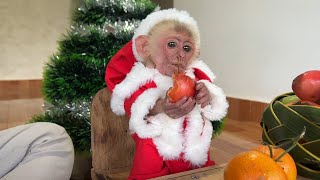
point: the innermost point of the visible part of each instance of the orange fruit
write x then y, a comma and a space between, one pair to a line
286, 162
253, 165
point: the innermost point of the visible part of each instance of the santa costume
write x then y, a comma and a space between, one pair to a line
163, 145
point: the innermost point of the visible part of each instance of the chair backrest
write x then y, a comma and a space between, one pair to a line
112, 145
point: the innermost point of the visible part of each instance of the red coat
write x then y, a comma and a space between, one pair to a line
135, 89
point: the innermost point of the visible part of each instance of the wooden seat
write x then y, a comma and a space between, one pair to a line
112, 145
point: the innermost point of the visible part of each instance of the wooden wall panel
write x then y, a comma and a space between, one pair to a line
4, 112
20, 89
245, 110
19, 111
20, 99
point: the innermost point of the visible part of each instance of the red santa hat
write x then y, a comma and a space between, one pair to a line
120, 65
164, 15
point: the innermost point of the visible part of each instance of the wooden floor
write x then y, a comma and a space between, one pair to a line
238, 136
18, 111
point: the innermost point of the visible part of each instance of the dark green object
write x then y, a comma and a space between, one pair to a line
282, 122
218, 126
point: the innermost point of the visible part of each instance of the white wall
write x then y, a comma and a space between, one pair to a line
255, 47
29, 30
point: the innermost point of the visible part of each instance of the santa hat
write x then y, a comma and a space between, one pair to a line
163, 15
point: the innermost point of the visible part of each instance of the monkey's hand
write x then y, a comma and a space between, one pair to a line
180, 108
202, 94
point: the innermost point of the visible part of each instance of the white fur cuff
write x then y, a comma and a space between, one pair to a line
217, 109
146, 127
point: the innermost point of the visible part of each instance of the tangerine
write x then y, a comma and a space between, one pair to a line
253, 165
286, 162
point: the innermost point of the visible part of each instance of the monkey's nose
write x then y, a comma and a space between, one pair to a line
182, 53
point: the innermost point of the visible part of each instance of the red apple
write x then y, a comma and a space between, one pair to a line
182, 86
307, 86
309, 103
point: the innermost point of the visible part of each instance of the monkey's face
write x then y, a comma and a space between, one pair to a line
171, 51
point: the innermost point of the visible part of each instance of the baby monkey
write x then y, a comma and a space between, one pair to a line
170, 137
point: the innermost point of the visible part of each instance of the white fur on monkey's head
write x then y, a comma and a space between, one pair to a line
164, 15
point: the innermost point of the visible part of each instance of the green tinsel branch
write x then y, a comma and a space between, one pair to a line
98, 11
73, 77
75, 118
94, 43
78, 71
218, 126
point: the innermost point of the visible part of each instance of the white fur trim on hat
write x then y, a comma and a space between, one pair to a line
168, 14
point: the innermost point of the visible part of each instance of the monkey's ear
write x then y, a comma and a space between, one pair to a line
198, 53
142, 45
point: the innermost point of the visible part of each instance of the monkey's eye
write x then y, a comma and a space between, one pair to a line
187, 48
172, 44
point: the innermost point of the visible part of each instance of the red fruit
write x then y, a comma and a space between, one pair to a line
182, 86
309, 103
307, 86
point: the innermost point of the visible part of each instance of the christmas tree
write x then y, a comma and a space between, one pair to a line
76, 72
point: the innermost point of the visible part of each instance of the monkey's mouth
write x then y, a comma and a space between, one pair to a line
177, 67
176, 61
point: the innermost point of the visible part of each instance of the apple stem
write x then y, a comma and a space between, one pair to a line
295, 142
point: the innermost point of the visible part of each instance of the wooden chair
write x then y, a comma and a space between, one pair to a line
112, 145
